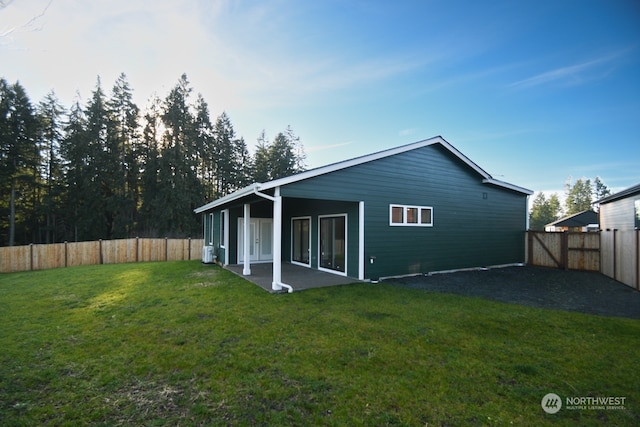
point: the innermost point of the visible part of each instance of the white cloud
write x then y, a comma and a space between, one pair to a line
571, 75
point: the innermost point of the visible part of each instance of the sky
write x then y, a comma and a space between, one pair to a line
534, 92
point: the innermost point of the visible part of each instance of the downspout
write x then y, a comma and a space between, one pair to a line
276, 284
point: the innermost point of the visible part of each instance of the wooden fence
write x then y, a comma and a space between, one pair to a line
620, 256
42, 257
614, 253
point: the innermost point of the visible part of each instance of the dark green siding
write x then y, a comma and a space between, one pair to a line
475, 224
294, 207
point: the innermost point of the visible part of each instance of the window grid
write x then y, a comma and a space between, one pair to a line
408, 215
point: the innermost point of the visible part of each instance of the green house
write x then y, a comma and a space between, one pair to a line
414, 209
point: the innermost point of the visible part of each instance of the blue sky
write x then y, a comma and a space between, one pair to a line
534, 92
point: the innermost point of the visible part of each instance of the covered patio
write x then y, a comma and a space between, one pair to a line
300, 278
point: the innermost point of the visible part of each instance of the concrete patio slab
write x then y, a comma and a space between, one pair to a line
298, 277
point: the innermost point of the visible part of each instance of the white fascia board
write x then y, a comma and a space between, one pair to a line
507, 185
358, 161
229, 197
365, 159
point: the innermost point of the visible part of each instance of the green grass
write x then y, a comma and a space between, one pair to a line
181, 343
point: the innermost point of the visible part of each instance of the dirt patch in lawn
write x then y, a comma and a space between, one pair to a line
581, 291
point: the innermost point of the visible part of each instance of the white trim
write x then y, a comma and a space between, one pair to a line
210, 221
291, 253
361, 263
404, 222
258, 256
276, 283
507, 185
225, 236
246, 269
346, 244
255, 187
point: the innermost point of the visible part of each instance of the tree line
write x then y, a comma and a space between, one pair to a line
579, 198
107, 170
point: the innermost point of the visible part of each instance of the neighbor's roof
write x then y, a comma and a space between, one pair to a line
579, 219
487, 179
620, 195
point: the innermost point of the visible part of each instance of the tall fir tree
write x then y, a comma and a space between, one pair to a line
225, 159
151, 205
74, 150
51, 115
544, 211
180, 189
205, 148
19, 162
125, 147
261, 159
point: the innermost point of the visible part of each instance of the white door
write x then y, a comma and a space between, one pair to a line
260, 240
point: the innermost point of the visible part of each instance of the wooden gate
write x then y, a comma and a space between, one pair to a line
569, 251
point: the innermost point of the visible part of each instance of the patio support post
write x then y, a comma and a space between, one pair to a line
276, 285
246, 270
361, 240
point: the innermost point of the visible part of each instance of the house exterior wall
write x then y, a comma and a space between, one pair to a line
474, 224
620, 214
296, 207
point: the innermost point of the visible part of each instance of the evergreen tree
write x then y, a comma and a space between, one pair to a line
286, 155
51, 115
19, 161
581, 194
243, 164
205, 148
225, 159
261, 160
74, 150
543, 211
104, 172
600, 190
180, 189
151, 205
124, 158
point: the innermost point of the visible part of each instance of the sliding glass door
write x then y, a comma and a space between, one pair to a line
301, 240
333, 241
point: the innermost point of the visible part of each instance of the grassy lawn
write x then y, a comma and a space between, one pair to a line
181, 343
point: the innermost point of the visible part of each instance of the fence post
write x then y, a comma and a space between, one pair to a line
137, 246
66, 262
100, 250
189, 259
615, 275
637, 259
529, 259
564, 250
166, 249
31, 256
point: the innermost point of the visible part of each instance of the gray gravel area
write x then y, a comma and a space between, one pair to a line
581, 291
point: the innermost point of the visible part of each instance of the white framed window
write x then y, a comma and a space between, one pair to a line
223, 228
210, 228
412, 216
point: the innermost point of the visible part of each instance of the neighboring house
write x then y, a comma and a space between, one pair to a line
582, 221
620, 211
413, 209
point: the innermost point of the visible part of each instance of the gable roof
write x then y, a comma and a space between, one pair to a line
620, 195
579, 219
311, 173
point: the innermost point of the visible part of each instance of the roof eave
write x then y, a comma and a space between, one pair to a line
250, 189
507, 186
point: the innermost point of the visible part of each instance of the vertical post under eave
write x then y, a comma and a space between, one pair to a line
361, 262
277, 241
246, 269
